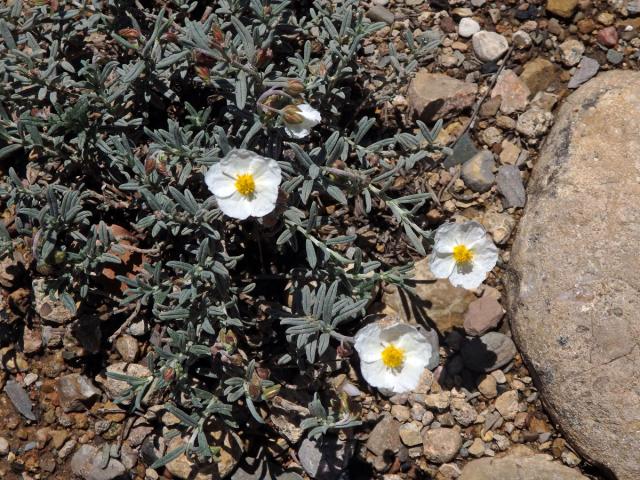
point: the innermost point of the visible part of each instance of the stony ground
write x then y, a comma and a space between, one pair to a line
496, 82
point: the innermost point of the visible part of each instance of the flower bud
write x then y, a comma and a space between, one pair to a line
218, 36
269, 392
294, 87
129, 33
149, 164
168, 374
263, 56
203, 73
291, 114
59, 257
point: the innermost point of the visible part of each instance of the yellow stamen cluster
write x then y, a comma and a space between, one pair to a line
462, 254
245, 184
392, 356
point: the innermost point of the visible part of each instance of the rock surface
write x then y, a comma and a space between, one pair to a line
573, 304
86, 463
520, 463
436, 302
434, 95
489, 46
441, 445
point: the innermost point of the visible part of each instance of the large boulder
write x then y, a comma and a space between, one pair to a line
520, 463
575, 273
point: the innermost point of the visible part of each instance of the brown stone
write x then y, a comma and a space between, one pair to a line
432, 96
573, 287
436, 301
538, 74
562, 8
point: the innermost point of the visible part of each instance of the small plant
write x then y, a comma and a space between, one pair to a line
110, 120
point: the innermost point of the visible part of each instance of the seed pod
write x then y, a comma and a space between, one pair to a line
149, 164
294, 87
292, 114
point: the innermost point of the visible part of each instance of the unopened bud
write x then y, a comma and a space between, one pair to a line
171, 37
294, 87
129, 33
203, 73
263, 56
291, 114
168, 374
59, 257
203, 60
218, 36
269, 392
149, 165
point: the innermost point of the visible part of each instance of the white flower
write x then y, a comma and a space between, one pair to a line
300, 119
392, 357
463, 253
244, 184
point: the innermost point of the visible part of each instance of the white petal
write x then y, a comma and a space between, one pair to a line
238, 161
311, 115
409, 377
471, 233
469, 278
447, 236
377, 375
367, 343
441, 264
235, 206
297, 131
218, 183
393, 333
263, 202
485, 254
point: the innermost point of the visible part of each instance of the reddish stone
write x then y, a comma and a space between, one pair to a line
608, 37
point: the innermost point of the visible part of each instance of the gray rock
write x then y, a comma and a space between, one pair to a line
20, 399
510, 186
521, 463
326, 460
587, 69
571, 52
463, 150
74, 391
507, 404
378, 13
614, 57
127, 347
489, 46
463, 412
87, 464
468, 27
534, 122
432, 96
385, 436
48, 305
477, 172
573, 287
488, 352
